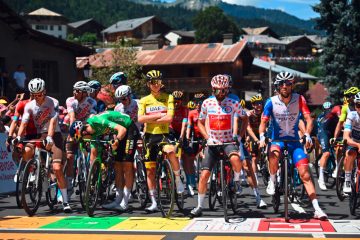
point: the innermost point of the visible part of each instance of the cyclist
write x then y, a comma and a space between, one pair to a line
157, 111
326, 122
285, 109
79, 107
253, 129
125, 103
44, 112
352, 136
95, 87
219, 113
111, 122
179, 122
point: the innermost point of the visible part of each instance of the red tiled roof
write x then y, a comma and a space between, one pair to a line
180, 54
317, 94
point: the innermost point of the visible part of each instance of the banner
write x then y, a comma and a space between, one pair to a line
7, 167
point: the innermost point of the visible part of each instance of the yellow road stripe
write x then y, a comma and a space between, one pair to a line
46, 236
153, 223
262, 238
26, 222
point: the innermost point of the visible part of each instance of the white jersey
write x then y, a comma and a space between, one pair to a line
41, 114
131, 110
83, 109
352, 124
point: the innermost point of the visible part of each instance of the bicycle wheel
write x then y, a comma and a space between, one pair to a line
179, 198
19, 181
286, 189
141, 186
224, 190
31, 188
340, 178
317, 165
232, 193
264, 169
93, 188
198, 167
213, 188
275, 200
165, 188
82, 176
51, 193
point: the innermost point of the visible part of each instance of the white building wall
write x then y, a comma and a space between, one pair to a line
173, 38
59, 31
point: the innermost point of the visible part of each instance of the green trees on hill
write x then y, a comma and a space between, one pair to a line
340, 60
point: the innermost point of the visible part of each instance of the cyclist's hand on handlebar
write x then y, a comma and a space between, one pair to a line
332, 141
236, 139
262, 142
49, 143
308, 140
212, 141
114, 144
16, 140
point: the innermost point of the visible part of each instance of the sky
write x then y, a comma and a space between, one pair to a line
299, 8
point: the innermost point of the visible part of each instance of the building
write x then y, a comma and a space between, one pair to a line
138, 28
299, 46
180, 37
49, 22
260, 31
264, 45
43, 55
86, 26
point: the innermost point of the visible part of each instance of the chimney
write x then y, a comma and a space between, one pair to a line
150, 44
228, 38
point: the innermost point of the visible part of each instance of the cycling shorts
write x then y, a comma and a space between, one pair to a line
127, 146
212, 155
58, 143
324, 138
150, 144
296, 150
191, 148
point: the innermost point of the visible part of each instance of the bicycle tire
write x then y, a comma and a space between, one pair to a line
353, 199
165, 188
317, 165
19, 180
180, 198
34, 188
275, 200
340, 178
224, 190
232, 193
286, 190
92, 188
141, 186
212, 189
330, 167
51, 193
82, 176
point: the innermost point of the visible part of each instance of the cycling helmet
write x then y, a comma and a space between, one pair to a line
118, 78
242, 103
153, 75
94, 84
75, 130
123, 91
81, 86
256, 98
327, 105
351, 91
191, 105
177, 94
220, 81
284, 76
357, 98
36, 85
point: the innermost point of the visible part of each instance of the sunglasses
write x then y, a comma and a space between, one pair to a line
34, 95
220, 91
257, 103
79, 91
123, 99
155, 82
286, 82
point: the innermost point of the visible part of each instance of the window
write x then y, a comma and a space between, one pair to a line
41, 27
60, 27
47, 70
51, 28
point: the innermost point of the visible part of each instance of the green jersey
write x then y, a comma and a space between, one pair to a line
104, 123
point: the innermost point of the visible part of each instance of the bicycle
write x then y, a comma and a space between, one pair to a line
221, 178
340, 174
141, 187
288, 180
38, 177
100, 177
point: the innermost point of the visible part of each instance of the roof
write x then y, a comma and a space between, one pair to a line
171, 55
154, 36
290, 39
21, 28
317, 39
277, 68
79, 23
255, 31
190, 34
262, 39
127, 25
44, 12
317, 94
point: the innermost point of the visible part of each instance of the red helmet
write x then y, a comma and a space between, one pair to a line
220, 81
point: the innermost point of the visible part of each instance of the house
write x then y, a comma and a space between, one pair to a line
42, 55
260, 31
264, 45
297, 46
48, 22
138, 28
180, 37
86, 26
190, 67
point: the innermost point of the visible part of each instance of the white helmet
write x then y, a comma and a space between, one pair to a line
357, 98
122, 91
36, 85
82, 86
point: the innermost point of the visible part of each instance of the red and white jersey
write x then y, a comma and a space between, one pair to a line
41, 114
82, 109
219, 117
131, 110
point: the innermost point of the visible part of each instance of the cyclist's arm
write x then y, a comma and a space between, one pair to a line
302, 128
309, 123
170, 111
165, 119
350, 142
262, 127
202, 129
189, 125
71, 117
341, 121
244, 124
183, 128
338, 129
24, 121
52, 125
121, 131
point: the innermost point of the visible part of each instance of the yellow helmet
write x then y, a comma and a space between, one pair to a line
153, 75
191, 105
242, 103
177, 94
256, 98
351, 91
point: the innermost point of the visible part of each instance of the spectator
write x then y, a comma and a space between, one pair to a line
20, 78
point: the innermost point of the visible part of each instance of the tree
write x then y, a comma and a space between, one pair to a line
210, 25
124, 60
340, 60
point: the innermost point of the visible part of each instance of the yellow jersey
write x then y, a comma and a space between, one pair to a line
150, 104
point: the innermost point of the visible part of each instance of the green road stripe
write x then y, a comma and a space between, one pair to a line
85, 223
